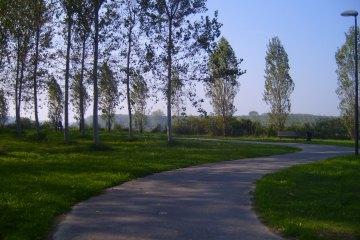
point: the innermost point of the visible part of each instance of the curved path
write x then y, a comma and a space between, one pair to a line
198, 203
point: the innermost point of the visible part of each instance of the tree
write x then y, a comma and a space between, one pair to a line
4, 33
96, 5
131, 37
139, 96
253, 114
19, 22
278, 84
109, 94
80, 100
223, 84
55, 103
345, 60
69, 7
41, 16
4, 108
179, 40
82, 34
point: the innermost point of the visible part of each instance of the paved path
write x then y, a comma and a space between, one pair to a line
198, 203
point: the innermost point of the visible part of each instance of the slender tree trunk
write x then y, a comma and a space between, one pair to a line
37, 125
109, 124
95, 78
224, 125
17, 114
20, 85
128, 81
82, 111
169, 58
67, 75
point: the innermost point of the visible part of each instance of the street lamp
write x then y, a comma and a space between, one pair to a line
352, 13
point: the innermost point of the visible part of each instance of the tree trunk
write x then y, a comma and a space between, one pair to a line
169, 56
95, 78
82, 111
20, 85
37, 124
17, 112
67, 75
224, 125
109, 124
128, 81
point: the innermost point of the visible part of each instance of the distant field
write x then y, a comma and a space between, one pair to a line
41, 180
315, 201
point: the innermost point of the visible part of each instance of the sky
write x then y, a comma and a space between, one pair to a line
311, 32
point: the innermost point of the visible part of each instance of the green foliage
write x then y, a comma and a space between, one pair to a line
41, 180
109, 94
180, 38
313, 201
322, 128
278, 84
223, 84
213, 126
79, 96
55, 103
345, 60
139, 95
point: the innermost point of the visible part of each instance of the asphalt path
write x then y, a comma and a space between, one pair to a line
205, 202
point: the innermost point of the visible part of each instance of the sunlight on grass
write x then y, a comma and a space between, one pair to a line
41, 180
313, 201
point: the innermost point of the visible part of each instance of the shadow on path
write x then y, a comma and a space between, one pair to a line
198, 203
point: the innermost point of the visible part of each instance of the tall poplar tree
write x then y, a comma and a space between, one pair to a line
139, 97
19, 20
55, 103
42, 39
70, 7
131, 36
83, 23
223, 84
96, 6
180, 37
278, 83
345, 60
109, 94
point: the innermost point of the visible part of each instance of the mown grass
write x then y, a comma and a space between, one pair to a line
314, 201
41, 180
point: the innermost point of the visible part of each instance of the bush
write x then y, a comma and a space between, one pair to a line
33, 136
26, 123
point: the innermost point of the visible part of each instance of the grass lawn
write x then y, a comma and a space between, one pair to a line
314, 201
41, 180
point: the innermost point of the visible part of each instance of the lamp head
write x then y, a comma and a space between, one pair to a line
349, 13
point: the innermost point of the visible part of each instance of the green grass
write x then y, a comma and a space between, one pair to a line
41, 180
313, 201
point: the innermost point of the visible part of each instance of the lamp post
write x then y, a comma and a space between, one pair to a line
352, 13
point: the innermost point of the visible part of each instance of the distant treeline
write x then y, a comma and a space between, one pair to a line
251, 125
320, 127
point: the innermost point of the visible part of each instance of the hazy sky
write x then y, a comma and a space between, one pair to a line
310, 30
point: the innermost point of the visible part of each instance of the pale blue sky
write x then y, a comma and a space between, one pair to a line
310, 30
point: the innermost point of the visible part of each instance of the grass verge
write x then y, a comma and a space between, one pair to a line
313, 201
41, 180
